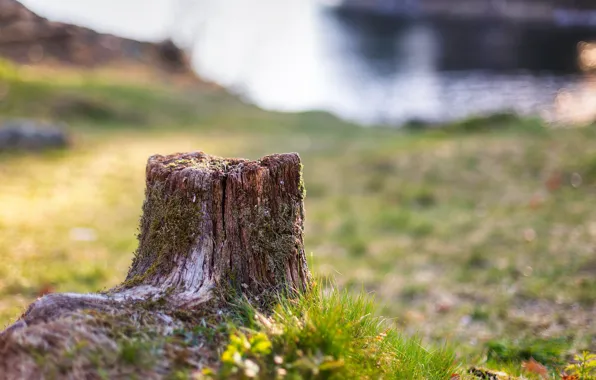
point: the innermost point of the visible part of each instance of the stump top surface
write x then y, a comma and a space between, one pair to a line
193, 160
205, 162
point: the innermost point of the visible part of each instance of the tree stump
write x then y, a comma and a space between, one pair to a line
209, 225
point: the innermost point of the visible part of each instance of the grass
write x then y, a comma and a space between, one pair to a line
467, 235
329, 335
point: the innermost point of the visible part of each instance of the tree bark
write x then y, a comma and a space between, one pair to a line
209, 225
208, 220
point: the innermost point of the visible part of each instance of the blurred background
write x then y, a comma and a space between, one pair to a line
449, 147
376, 61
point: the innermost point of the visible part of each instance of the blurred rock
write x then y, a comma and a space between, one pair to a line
172, 56
27, 135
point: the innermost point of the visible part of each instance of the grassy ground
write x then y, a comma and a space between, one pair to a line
481, 235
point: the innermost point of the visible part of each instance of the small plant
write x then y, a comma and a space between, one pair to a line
244, 354
584, 367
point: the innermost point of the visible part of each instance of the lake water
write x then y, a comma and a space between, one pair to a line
295, 55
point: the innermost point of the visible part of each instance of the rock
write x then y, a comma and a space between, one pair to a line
28, 135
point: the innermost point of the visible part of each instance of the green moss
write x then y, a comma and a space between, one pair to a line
301, 185
140, 278
170, 223
272, 235
209, 162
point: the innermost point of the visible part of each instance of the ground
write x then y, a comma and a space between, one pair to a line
480, 235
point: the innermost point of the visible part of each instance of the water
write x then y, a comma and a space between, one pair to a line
293, 55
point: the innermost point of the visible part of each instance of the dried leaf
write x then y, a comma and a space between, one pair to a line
554, 181
533, 366
569, 377
46, 289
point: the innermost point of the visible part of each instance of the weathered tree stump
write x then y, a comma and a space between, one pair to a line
209, 225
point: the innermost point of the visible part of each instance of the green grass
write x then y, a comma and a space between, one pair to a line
328, 334
468, 235
546, 351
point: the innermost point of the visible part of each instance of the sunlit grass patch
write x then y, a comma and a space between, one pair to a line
328, 333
